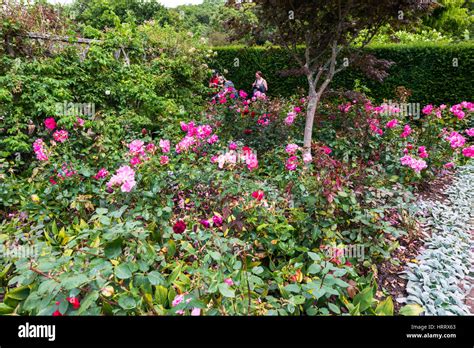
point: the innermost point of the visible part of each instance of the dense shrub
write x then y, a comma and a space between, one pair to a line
426, 69
164, 78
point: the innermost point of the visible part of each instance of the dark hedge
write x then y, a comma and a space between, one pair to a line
426, 69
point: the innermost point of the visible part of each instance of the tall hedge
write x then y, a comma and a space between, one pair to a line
426, 69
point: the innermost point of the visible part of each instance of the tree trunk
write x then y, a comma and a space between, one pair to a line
311, 111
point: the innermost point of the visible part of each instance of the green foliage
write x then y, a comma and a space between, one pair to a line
426, 69
163, 79
452, 17
106, 13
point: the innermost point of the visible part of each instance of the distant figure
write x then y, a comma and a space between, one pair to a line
260, 83
224, 83
214, 81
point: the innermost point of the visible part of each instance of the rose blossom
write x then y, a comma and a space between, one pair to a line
179, 227
74, 301
406, 131
50, 123
456, 140
165, 145
125, 177
291, 163
38, 147
233, 146
392, 123
470, 132
291, 149
326, 150
428, 109
258, 195
217, 220
61, 135
101, 174
468, 151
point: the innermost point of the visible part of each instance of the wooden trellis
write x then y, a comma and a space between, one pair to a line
84, 43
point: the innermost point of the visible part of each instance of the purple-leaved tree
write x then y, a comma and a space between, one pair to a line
317, 31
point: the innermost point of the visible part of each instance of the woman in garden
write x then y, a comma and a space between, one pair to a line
224, 83
260, 83
214, 81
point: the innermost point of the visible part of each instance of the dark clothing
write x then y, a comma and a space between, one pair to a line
259, 87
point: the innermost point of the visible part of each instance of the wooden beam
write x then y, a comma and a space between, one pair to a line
80, 40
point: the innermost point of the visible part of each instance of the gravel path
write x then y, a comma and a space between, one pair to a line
441, 280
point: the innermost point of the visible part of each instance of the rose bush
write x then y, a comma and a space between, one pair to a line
225, 214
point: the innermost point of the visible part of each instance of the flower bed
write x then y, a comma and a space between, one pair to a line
225, 215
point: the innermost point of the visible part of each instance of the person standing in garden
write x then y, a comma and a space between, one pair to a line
214, 81
225, 83
260, 83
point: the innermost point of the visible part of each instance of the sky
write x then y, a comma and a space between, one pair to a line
167, 3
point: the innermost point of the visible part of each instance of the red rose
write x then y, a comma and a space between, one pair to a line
74, 301
50, 123
247, 131
179, 227
57, 313
258, 195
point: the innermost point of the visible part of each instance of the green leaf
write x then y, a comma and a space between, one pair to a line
292, 288
171, 294
19, 294
385, 307
364, 299
225, 290
215, 255
171, 248
127, 302
314, 268
122, 271
113, 249
411, 310
101, 211
161, 295
74, 281
156, 278
314, 256
257, 270
298, 299
88, 301
4, 309
174, 275
334, 308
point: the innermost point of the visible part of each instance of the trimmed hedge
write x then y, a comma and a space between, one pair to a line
426, 69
